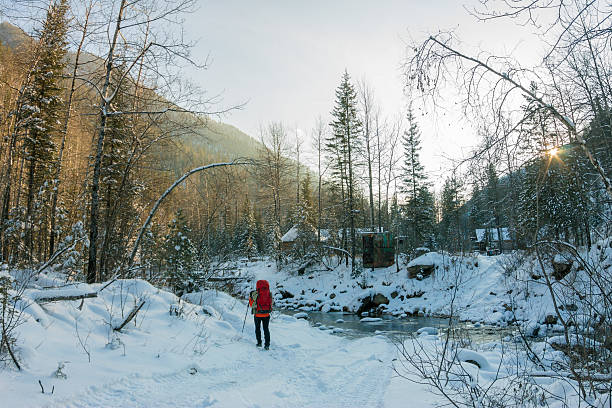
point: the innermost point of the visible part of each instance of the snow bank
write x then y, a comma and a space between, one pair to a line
476, 287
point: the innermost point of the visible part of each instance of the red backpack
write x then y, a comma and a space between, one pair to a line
264, 299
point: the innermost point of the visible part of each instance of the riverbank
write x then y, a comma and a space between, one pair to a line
479, 289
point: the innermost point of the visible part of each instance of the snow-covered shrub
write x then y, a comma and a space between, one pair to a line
492, 375
181, 267
151, 258
72, 250
10, 319
575, 306
177, 310
59, 372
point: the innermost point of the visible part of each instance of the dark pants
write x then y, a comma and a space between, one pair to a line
266, 323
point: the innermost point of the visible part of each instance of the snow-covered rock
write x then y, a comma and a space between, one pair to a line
473, 357
423, 265
370, 319
427, 330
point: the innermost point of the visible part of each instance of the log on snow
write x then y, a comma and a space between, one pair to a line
60, 297
130, 316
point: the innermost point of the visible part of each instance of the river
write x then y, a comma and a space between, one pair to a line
352, 326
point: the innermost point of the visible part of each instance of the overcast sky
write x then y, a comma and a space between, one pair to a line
285, 59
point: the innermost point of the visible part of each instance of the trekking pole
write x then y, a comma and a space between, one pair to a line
245, 315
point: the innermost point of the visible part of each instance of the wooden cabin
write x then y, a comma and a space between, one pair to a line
486, 240
378, 249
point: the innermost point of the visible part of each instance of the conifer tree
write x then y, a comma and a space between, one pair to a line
304, 247
343, 144
179, 253
245, 232
43, 108
152, 257
117, 188
418, 210
450, 229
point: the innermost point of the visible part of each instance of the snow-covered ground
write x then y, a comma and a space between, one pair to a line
193, 353
195, 359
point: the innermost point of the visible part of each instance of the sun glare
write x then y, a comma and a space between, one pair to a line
553, 151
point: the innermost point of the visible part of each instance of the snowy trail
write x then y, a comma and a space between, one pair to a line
304, 368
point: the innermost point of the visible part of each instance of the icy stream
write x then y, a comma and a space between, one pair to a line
352, 326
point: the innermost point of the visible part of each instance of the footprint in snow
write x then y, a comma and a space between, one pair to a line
294, 346
207, 402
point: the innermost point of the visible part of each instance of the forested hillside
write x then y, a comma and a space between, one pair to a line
141, 156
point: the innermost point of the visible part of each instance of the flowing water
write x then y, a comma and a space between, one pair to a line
351, 325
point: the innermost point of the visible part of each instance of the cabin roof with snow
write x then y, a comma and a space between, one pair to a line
292, 234
481, 234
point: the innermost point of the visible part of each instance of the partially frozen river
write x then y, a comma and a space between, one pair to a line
352, 326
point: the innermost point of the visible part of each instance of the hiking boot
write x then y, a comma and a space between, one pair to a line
258, 344
267, 347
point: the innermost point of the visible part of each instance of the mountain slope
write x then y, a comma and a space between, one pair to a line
214, 138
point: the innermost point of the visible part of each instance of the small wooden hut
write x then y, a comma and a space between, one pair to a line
378, 249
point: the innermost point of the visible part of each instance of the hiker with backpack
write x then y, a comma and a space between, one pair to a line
260, 301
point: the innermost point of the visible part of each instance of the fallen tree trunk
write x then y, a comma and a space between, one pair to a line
60, 297
223, 279
130, 316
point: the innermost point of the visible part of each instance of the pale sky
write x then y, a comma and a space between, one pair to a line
285, 59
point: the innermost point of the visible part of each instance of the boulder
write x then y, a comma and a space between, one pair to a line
420, 271
550, 319
394, 294
420, 251
428, 330
416, 294
372, 302
285, 294
380, 299
561, 266
424, 266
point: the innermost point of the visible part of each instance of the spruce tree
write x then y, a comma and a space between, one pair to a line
418, 210
245, 232
305, 245
450, 229
116, 188
43, 108
343, 144
493, 196
152, 257
179, 254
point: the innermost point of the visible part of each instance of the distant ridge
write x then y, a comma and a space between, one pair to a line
216, 138
12, 36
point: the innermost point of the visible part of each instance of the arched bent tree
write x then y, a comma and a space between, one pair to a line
237, 162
